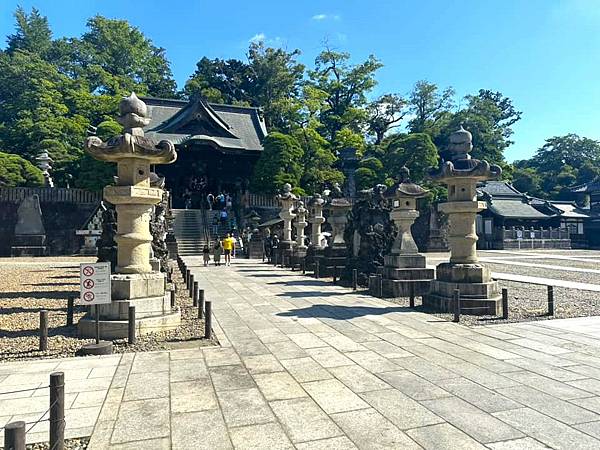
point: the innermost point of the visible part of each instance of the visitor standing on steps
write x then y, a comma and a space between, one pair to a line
217, 251
229, 247
210, 199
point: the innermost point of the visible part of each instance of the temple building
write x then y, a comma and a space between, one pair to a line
588, 194
218, 146
513, 219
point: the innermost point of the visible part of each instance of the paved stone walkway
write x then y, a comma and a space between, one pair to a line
307, 365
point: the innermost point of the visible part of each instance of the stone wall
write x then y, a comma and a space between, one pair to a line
62, 215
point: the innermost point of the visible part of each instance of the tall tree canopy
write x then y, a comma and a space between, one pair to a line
32, 33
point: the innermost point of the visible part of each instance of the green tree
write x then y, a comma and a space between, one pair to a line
318, 161
369, 173
32, 33
385, 113
16, 172
344, 87
415, 151
279, 163
429, 107
527, 180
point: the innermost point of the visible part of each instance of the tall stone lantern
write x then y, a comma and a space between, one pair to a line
300, 225
316, 219
461, 173
287, 201
404, 271
134, 283
334, 256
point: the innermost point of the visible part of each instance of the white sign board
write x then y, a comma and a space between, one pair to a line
94, 283
519, 234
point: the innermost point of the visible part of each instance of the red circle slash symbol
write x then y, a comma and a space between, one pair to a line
88, 296
88, 271
88, 284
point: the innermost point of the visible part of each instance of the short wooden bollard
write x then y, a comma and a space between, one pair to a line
208, 320
195, 296
504, 303
43, 330
14, 436
303, 263
70, 308
550, 300
187, 278
317, 269
131, 326
173, 297
57, 410
354, 279
411, 300
191, 286
334, 274
380, 284
200, 303
456, 306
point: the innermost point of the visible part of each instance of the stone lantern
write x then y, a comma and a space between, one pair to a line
287, 200
461, 173
44, 164
334, 255
300, 225
316, 219
135, 282
404, 271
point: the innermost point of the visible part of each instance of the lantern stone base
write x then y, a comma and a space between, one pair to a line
479, 294
152, 303
333, 259
402, 275
28, 245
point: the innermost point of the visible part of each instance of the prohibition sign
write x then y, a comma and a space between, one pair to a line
88, 296
88, 271
88, 284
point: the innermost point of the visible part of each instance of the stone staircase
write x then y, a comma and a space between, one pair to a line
189, 229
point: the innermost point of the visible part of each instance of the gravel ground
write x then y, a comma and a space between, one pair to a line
29, 285
529, 301
70, 444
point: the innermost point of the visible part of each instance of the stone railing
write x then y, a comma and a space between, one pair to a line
49, 195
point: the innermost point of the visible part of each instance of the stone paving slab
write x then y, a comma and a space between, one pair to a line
304, 364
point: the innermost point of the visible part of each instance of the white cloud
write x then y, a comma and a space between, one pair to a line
320, 17
258, 37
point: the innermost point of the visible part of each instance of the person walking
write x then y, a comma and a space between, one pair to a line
206, 255
217, 251
229, 248
210, 199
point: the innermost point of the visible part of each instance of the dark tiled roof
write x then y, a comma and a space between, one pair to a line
500, 188
225, 126
515, 209
592, 186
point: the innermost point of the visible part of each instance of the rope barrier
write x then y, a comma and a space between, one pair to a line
41, 419
23, 390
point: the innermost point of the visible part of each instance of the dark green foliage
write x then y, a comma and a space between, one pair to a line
279, 163
32, 33
415, 151
16, 172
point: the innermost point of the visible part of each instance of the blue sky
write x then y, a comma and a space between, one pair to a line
543, 54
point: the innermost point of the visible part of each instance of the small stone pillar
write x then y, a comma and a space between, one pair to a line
404, 271
134, 283
461, 173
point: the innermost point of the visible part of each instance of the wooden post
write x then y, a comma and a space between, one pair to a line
131, 325
195, 296
70, 306
200, 303
43, 330
456, 306
173, 297
411, 301
334, 274
303, 266
208, 320
191, 285
504, 303
97, 319
354, 279
380, 282
550, 300
317, 268
187, 278
57, 410
14, 436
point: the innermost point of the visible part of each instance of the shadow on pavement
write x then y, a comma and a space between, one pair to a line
341, 312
